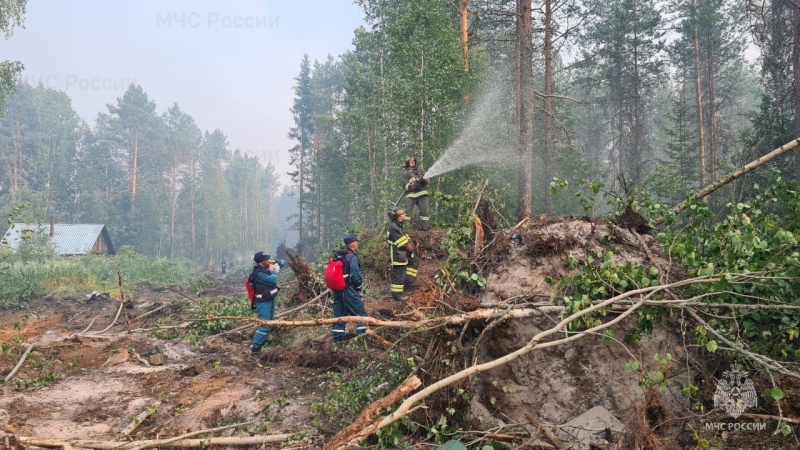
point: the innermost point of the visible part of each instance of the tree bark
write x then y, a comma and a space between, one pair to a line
796, 80
712, 112
525, 107
19, 364
173, 202
699, 98
421, 153
301, 193
463, 14
16, 171
548, 105
114, 445
637, 120
141, 417
135, 170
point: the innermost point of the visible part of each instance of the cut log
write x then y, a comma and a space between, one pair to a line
115, 445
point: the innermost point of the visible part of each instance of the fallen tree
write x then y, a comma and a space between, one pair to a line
536, 343
747, 168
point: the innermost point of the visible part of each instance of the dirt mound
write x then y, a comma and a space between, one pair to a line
524, 265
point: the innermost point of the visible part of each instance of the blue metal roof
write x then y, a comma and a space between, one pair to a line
68, 239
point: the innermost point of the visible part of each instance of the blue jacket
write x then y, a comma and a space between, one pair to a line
353, 268
265, 281
262, 276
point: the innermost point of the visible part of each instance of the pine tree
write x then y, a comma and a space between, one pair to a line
302, 133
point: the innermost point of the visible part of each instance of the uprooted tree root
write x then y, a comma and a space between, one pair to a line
309, 284
445, 355
649, 423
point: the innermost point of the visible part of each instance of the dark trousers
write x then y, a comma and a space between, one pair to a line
404, 275
266, 311
347, 303
424, 211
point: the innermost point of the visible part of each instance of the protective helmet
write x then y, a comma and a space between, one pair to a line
397, 212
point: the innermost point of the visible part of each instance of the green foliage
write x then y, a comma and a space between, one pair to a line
12, 14
21, 278
63, 166
456, 270
452, 445
657, 377
345, 394
45, 370
225, 306
601, 279
757, 239
775, 394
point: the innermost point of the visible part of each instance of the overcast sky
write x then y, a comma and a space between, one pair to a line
230, 64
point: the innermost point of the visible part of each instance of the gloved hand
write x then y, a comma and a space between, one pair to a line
423, 182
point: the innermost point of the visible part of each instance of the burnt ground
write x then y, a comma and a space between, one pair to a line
92, 386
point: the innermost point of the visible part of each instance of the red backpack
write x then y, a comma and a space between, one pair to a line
251, 291
335, 278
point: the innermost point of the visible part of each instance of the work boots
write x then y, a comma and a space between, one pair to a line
255, 355
399, 297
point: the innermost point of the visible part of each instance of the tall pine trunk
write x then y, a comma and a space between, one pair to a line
712, 116
463, 15
16, 163
796, 80
135, 170
173, 203
524, 107
701, 140
548, 105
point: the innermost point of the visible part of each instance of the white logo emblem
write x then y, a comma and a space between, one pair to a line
735, 392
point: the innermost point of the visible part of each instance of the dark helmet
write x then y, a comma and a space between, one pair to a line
397, 212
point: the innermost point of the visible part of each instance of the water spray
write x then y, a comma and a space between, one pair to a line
487, 138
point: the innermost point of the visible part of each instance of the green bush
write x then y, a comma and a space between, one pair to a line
760, 239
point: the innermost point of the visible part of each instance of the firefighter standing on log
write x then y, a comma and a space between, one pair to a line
401, 252
416, 193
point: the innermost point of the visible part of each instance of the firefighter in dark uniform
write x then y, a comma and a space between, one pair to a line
416, 193
401, 251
